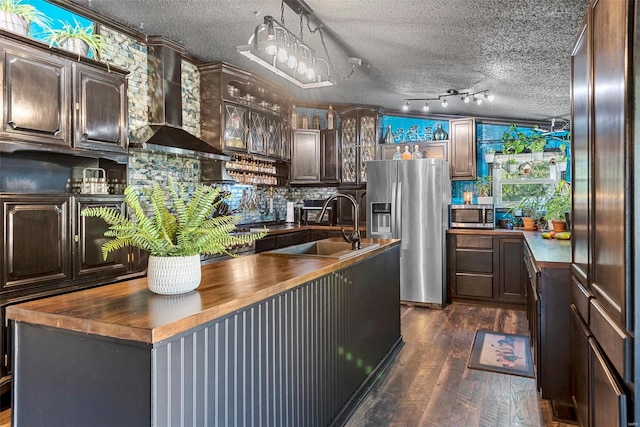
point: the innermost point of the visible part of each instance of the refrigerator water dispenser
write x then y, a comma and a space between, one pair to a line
380, 218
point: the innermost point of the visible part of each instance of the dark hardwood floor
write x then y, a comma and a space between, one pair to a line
429, 383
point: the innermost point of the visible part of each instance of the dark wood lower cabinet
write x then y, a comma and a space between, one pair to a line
548, 297
486, 269
49, 248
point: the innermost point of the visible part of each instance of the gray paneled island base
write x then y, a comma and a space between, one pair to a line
265, 340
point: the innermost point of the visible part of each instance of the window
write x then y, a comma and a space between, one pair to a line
527, 178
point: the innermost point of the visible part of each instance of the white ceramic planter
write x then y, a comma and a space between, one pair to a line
537, 156
562, 166
488, 157
169, 275
75, 46
512, 167
14, 23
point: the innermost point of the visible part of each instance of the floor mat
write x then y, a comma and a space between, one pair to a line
501, 352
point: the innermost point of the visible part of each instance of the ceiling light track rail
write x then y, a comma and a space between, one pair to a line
477, 97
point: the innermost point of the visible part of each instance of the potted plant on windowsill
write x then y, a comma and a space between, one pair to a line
483, 186
176, 232
530, 207
17, 17
77, 39
558, 204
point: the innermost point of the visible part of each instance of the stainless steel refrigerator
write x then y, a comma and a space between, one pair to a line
409, 200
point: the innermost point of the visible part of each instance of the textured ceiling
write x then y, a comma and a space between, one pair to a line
518, 50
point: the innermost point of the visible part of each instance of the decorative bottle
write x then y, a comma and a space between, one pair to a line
294, 118
416, 152
330, 118
316, 121
406, 155
388, 137
440, 134
397, 155
305, 121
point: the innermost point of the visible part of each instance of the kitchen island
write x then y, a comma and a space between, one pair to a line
264, 340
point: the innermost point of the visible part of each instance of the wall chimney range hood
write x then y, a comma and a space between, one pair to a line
164, 132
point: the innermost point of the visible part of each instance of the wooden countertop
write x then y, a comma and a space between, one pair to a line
291, 228
550, 253
128, 310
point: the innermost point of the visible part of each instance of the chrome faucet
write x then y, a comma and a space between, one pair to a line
354, 238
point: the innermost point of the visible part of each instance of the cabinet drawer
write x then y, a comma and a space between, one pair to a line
474, 261
474, 285
611, 337
474, 242
609, 400
580, 298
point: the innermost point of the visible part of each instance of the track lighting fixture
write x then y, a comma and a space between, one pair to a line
465, 97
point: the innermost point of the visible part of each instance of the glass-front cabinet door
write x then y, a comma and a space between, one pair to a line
274, 138
235, 127
258, 134
348, 151
358, 143
368, 128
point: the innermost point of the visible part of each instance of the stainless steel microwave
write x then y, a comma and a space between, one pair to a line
471, 216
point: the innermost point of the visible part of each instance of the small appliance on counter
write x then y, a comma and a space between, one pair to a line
472, 216
311, 211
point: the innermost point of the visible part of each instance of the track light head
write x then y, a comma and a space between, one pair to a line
405, 107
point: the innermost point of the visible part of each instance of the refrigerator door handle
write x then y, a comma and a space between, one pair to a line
398, 208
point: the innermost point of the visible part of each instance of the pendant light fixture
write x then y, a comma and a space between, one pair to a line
279, 50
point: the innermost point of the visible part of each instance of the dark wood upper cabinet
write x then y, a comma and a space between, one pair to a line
358, 143
35, 241
581, 156
462, 149
611, 143
37, 95
257, 133
88, 238
329, 155
305, 155
100, 113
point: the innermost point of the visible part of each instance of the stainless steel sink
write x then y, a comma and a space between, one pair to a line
323, 249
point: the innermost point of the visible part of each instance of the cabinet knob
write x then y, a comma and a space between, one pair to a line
76, 238
84, 137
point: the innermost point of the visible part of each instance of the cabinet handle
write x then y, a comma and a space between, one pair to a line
56, 132
12, 124
76, 238
85, 137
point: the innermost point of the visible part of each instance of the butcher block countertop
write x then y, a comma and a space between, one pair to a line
546, 252
130, 311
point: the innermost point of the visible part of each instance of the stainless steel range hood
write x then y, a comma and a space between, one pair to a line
164, 132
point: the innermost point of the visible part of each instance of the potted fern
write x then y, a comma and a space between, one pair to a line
17, 17
176, 232
77, 38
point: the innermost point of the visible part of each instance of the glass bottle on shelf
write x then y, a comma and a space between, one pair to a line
330, 118
416, 152
316, 121
388, 137
305, 121
397, 155
294, 117
406, 155
440, 134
